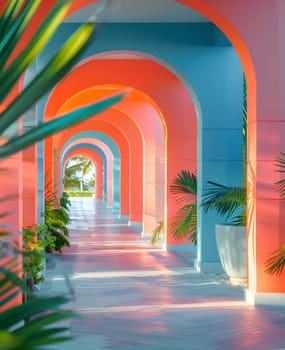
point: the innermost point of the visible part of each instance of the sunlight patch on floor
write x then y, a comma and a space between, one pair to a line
118, 274
173, 306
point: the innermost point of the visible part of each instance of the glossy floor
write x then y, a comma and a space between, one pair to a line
133, 296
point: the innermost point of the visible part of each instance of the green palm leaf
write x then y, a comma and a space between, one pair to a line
7, 17
10, 76
244, 132
15, 333
56, 69
86, 167
280, 163
156, 233
184, 224
14, 32
276, 263
18, 313
49, 128
11, 285
184, 186
225, 200
76, 167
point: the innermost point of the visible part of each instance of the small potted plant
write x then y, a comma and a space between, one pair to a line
231, 235
35, 239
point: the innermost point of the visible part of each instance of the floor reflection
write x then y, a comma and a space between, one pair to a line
133, 296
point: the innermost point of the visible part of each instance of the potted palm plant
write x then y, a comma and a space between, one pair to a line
230, 202
230, 236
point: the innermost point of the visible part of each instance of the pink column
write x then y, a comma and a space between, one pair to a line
30, 180
11, 189
265, 77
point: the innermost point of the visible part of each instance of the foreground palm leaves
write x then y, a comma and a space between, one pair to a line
30, 325
13, 23
34, 324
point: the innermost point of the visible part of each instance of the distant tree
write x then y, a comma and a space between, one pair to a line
75, 172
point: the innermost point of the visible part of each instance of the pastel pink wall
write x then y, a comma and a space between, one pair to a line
30, 188
12, 205
253, 38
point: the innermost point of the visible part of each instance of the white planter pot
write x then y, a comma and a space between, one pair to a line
231, 244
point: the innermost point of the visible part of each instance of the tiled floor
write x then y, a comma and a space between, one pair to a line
133, 296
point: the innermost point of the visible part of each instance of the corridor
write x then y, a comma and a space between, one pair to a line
131, 295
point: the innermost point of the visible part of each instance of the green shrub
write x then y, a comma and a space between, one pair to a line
35, 239
64, 201
56, 220
80, 194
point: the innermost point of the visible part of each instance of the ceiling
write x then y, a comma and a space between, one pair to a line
140, 11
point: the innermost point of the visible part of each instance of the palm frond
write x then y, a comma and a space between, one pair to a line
225, 200
244, 132
53, 126
54, 71
184, 187
184, 224
276, 263
11, 75
19, 21
280, 164
86, 167
156, 233
75, 167
8, 16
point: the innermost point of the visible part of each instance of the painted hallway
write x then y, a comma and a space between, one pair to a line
183, 112
133, 296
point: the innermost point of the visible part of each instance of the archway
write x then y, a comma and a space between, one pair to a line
99, 159
162, 94
79, 171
